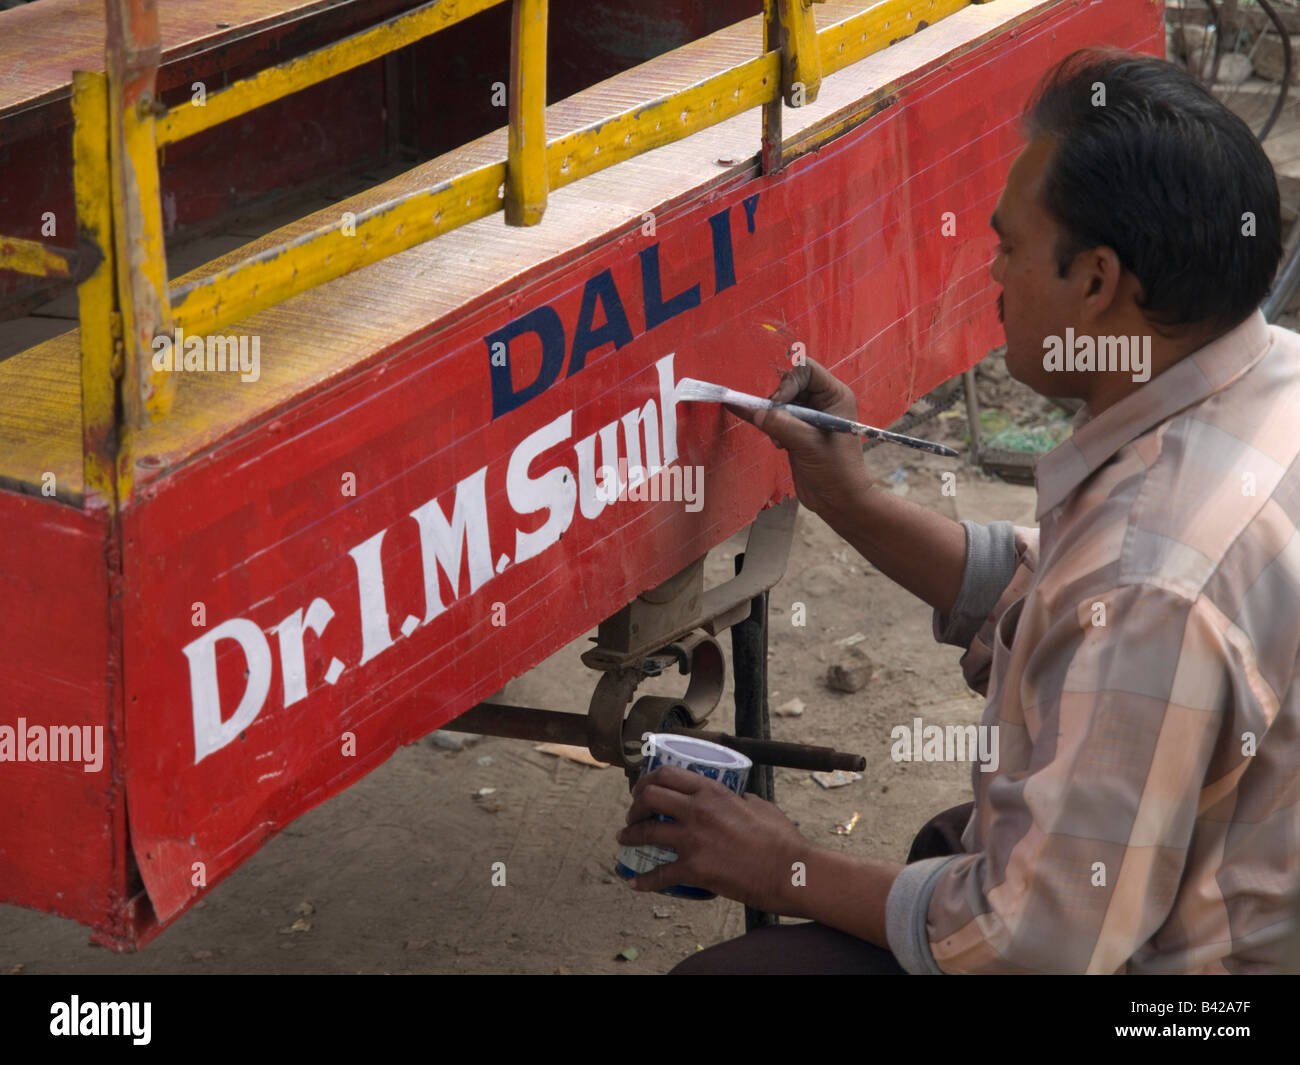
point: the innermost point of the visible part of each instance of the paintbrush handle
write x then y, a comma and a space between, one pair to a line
908, 441
835, 424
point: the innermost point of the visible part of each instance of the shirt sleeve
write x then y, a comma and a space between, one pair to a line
1000, 563
1118, 718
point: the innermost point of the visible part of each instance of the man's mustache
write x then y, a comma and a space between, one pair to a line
1000, 308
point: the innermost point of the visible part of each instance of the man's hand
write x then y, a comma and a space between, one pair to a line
739, 847
827, 467
919, 549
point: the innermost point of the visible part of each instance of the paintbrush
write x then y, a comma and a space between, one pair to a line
690, 390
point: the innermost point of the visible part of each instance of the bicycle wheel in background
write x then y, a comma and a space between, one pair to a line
1242, 51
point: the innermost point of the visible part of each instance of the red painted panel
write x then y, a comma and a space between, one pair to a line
233, 734
62, 828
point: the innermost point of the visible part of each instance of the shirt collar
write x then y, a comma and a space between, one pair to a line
1190, 380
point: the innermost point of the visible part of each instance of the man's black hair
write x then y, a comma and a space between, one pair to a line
1165, 176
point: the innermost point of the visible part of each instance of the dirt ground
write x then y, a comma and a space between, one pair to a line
395, 874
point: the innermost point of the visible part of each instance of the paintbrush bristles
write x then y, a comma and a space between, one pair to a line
689, 390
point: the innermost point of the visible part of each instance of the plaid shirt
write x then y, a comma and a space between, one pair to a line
1139, 653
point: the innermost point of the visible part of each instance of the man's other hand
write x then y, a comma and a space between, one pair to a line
742, 848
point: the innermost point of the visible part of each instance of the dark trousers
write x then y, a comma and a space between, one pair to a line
811, 949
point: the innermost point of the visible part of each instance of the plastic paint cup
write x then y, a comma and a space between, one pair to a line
729, 768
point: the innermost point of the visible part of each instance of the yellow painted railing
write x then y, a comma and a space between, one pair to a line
125, 299
326, 253
321, 65
33, 257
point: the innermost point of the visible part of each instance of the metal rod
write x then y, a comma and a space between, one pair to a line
557, 726
972, 415
749, 668
524, 723
1280, 101
753, 726
768, 753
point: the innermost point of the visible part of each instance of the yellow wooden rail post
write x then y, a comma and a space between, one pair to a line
95, 297
770, 158
801, 63
526, 182
132, 64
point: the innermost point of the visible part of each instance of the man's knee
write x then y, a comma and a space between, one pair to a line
807, 949
941, 835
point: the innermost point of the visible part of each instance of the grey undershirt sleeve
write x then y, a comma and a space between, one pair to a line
991, 561
907, 913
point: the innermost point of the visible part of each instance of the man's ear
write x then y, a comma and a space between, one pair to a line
1099, 275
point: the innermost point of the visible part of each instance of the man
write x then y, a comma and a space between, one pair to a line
1138, 650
